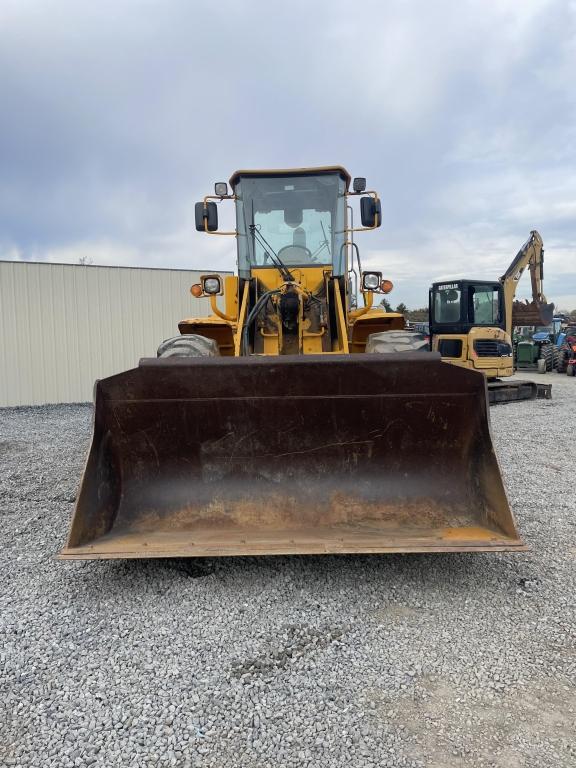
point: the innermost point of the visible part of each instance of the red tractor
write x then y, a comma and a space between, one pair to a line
567, 352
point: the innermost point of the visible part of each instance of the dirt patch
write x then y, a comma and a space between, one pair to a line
394, 612
8, 447
449, 726
301, 641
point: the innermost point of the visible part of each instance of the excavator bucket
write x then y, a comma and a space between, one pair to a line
533, 313
291, 454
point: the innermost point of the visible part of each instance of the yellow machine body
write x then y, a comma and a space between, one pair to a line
354, 327
491, 366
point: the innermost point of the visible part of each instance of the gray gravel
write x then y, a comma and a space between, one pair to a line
440, 661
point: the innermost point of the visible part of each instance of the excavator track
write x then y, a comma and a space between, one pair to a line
513, 390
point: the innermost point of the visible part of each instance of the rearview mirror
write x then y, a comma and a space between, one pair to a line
370, 212
208, 213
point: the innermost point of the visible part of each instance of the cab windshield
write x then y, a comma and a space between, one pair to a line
484, 304
299, 219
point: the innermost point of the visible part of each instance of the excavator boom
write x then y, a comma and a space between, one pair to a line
538, 311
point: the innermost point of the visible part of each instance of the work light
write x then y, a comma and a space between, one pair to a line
371, 281
212, 284
221, 188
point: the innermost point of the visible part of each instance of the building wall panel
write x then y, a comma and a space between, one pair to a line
62, 326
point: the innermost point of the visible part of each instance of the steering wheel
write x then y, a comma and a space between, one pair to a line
293, 254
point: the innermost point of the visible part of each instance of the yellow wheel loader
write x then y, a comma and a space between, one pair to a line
291, 420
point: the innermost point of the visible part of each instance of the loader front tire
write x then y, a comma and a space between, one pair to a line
396, 341
188, 345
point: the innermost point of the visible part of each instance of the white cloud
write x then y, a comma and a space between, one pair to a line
462, 115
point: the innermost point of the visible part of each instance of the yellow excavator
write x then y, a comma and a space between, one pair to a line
291, 420
471, 322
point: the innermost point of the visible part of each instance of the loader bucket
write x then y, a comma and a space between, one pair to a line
291, 454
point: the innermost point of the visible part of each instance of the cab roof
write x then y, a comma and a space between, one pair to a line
465, 281
293, 172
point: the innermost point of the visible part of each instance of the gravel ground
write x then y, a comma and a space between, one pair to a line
440, 661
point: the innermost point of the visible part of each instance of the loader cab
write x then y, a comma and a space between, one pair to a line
296, 218
293, 218
299, 269
458, 306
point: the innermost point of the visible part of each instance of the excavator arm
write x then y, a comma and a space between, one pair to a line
538, 311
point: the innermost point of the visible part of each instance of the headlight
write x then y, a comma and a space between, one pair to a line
212, 284
371, 281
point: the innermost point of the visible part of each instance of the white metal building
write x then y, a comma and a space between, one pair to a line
62, 326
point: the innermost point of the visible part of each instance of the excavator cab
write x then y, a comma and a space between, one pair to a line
467, 325
290, 420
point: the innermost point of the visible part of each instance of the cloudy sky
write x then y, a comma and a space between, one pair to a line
117, 115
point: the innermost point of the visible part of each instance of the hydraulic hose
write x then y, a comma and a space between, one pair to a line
254, 312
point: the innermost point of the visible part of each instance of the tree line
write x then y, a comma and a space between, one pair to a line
414, 315
420, 315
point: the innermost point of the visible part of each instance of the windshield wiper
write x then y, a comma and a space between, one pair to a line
276, 260
323, 244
